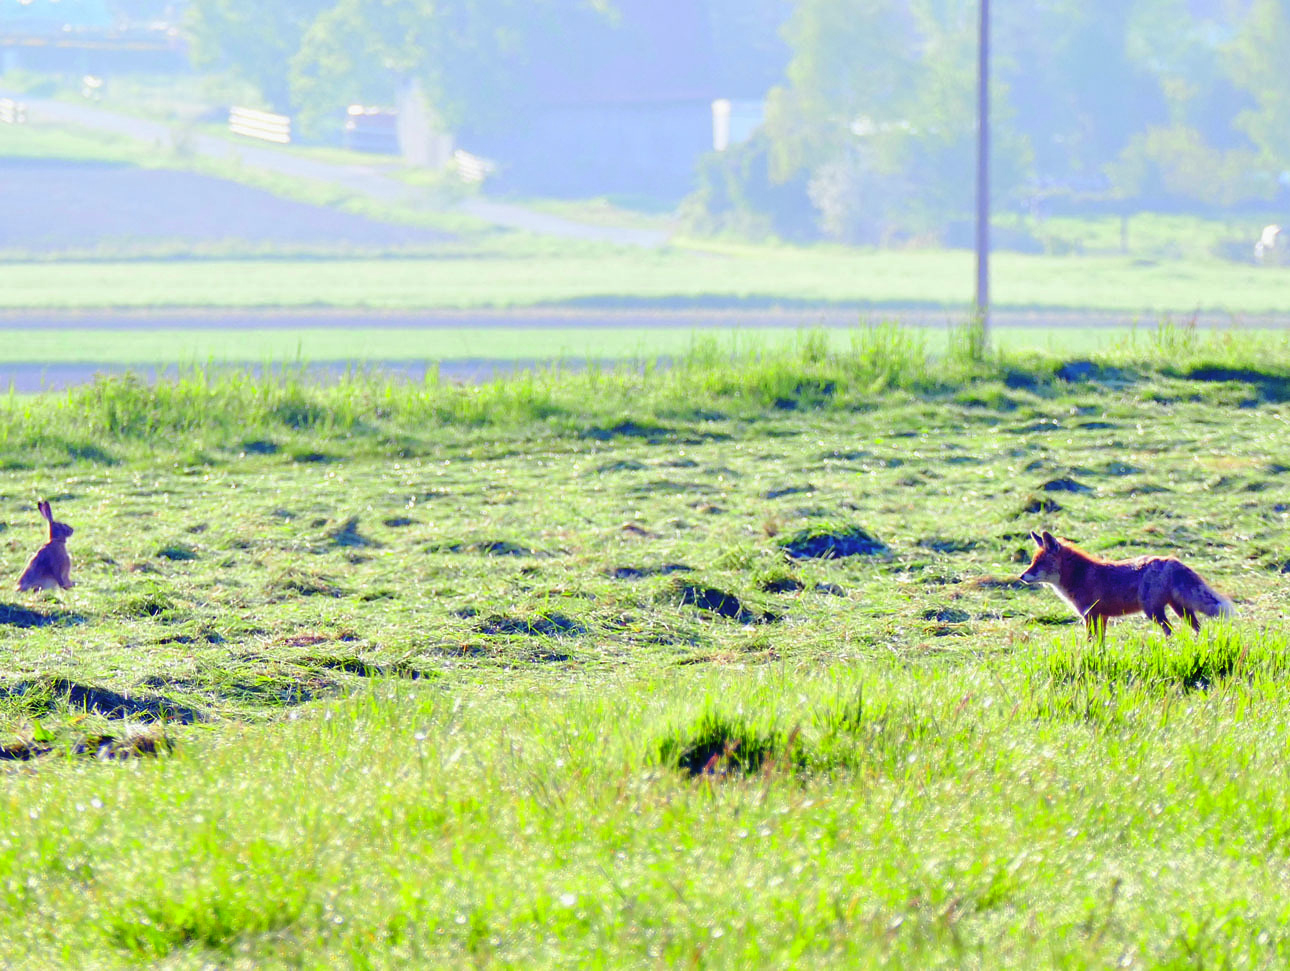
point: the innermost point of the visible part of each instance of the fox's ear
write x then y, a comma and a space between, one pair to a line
1039, 540
1049, 541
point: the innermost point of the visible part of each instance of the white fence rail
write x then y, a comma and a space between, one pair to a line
472, 168
264, 125
12, 112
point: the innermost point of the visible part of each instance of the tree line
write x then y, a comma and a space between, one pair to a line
1110, 103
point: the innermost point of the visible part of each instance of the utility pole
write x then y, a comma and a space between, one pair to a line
982, 308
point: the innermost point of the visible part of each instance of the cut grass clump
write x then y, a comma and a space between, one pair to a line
1039, 505
648, 431
640, 572
721, 745
364, 669
719, 602
550, 625
782, 584
294, 582
1066, 484
492, 547
830, 541
134, 743
152, 601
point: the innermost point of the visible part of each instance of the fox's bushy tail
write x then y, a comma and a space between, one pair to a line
1204, 599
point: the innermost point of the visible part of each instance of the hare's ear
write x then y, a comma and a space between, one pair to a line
1039, 540
1050, 541
45, 511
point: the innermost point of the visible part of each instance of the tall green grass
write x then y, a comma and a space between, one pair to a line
890, 817
223, 408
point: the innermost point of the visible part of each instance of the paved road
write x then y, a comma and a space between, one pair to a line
28, 378
368, 180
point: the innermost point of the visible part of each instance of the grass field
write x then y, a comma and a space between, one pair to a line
684, 272
551, 672
1171, 265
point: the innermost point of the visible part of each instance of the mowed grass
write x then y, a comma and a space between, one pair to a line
524, 674
527, 274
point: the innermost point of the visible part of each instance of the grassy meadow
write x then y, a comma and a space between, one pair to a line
518, 273
723, 664
1149, 265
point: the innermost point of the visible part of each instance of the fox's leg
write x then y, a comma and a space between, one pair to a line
1188, 615
1156, 612
1154, 597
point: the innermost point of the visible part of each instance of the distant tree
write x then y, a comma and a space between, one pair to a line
1174, 165
852, 64
1185, 52
880, 111
735, 194
1077, 92
937, 155
255, 40
469, 55
1258, 63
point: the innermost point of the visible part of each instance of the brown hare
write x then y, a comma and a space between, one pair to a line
51, 566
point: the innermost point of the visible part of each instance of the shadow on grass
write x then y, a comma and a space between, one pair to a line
12, 615
40, 696
1270, 385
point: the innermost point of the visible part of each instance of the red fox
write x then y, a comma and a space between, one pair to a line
1099, 589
